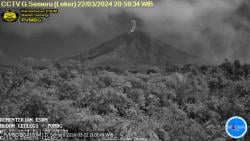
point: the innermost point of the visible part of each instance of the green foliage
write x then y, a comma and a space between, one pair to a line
69, 90
109, 100
191, 104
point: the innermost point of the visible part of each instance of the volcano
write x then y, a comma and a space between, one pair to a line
136, 48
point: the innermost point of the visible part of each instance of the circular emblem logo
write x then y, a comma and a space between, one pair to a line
236, 127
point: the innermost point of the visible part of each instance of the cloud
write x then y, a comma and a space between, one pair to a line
167, 15
197, 26
2, 55
201, 27
90, 21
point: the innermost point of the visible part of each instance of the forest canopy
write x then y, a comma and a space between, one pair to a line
177, 103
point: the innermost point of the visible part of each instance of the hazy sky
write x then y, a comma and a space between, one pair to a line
211, 29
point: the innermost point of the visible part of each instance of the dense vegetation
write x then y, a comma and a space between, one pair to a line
181, 103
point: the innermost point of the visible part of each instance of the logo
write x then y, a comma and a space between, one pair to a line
10, 16
236, 127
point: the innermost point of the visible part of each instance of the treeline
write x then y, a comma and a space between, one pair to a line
181, 103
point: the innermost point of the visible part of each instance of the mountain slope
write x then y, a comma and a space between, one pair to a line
135, 48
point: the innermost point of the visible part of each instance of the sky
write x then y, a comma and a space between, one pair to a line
210, 29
